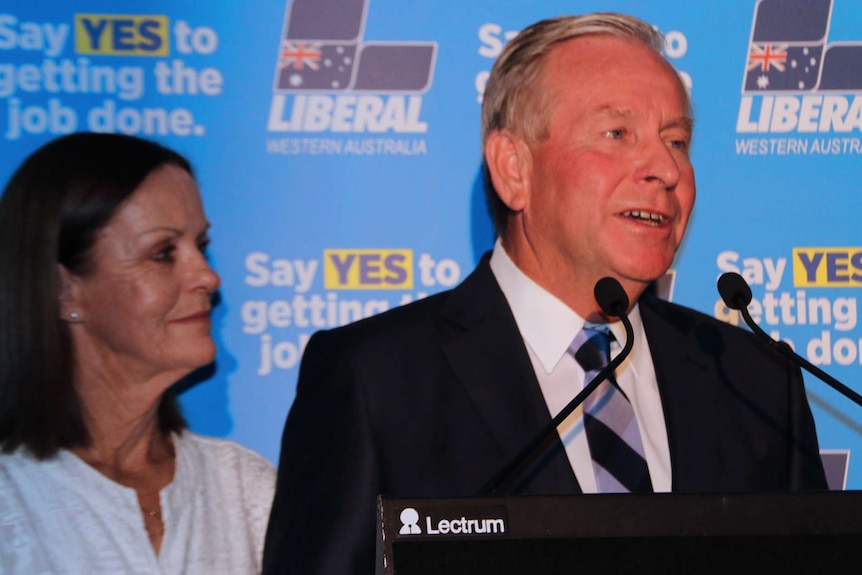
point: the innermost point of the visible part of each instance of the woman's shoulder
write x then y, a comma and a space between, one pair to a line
216, 456
223, 451
240, 480
21, 471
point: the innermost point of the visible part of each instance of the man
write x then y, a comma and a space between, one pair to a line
586, 131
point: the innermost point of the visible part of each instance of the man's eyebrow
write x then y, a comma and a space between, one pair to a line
614, 111
684, 122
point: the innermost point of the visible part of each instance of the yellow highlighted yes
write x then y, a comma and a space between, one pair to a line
121, 35
827, 267
368, 269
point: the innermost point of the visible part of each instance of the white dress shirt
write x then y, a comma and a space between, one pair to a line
548, 327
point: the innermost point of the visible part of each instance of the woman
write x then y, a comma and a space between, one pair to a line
105, 295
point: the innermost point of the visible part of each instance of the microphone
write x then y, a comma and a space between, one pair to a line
612, 298
737, 295
614, 302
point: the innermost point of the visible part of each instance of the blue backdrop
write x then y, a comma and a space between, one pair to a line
337, 145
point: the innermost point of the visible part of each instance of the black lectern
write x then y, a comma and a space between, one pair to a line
597, 534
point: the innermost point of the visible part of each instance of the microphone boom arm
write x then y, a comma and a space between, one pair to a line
785, 350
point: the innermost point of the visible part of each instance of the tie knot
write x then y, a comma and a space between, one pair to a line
592, 347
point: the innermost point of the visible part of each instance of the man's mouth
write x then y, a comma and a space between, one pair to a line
645, 217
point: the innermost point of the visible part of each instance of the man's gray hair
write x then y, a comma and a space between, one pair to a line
513, 93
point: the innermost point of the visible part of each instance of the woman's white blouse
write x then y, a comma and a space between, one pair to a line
62, 516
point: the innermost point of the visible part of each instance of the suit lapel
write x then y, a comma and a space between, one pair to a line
687, 393
487, 353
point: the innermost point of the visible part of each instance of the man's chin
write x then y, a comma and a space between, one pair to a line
642, 277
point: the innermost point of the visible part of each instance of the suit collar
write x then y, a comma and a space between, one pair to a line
488, 356
545, 323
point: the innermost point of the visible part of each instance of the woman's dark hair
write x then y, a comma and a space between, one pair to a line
51, 213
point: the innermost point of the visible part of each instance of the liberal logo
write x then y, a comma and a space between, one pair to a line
789, 52
794, 77
330, 79
322, 50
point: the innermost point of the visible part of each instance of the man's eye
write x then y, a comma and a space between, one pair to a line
679, 145
615, 134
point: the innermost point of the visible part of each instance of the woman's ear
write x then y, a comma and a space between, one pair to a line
510, 165
69, 307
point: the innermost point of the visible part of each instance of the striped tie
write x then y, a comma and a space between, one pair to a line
609, 420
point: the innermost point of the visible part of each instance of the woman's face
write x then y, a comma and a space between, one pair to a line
143, 307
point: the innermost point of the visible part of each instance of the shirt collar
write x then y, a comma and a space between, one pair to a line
547, 325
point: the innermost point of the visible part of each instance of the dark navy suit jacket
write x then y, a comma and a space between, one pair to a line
433, 398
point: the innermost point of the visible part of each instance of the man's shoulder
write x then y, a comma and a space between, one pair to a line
462, 305
683, 316
389, 334
411, 316
707, 332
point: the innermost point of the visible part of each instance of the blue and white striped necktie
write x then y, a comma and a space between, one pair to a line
612, 430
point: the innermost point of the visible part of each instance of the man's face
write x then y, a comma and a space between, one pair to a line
612, 187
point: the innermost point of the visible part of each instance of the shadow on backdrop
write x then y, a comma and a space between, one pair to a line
206, 388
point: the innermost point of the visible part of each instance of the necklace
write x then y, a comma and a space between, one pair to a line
154, 526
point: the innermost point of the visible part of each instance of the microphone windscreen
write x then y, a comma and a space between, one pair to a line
611, 297
734, 291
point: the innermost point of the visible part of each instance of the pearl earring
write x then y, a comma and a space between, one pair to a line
74, 315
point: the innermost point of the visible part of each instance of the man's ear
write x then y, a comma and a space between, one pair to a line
510, 165
70, 310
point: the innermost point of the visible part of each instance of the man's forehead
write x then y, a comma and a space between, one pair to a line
579, 56
598, 42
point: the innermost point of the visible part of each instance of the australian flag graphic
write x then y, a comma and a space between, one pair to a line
789, 50
322, 50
